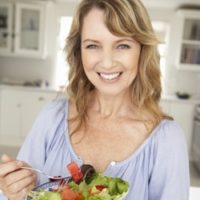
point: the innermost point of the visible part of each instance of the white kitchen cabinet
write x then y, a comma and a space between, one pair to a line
183, 114
6, 11
188, 39
22, 29
19, 109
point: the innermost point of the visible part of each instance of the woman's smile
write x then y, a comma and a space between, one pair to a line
110, 77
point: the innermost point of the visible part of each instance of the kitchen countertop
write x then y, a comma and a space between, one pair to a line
30, 88
14, 142
194, 99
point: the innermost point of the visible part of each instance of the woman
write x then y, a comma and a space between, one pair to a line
111, 118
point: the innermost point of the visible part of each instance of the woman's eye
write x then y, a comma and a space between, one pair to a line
91, 46
124, 46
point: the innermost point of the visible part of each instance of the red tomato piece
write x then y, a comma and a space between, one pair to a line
100, 187
68, 194
75, 171
79, 197
73, 168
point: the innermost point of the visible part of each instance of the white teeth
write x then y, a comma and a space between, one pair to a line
109, 76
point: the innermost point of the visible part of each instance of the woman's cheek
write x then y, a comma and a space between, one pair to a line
89, 61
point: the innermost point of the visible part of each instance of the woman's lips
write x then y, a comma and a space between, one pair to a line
110, 76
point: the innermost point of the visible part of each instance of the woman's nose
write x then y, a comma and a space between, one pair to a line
107, 59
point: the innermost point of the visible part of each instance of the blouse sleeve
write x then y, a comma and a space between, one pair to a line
169, 179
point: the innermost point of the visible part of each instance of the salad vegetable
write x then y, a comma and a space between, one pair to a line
85, 184
75, 171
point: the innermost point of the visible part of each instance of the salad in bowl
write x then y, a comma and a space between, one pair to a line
84, 184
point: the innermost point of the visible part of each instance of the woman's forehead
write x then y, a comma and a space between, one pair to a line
94, 25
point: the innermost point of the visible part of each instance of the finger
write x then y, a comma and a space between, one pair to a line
8, 167
30, 187
22, 194
6, 158
20, 185
19, 196
17, 176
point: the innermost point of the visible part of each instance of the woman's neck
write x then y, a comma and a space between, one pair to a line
108, 106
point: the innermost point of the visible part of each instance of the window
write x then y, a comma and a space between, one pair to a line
162, 29
61, 77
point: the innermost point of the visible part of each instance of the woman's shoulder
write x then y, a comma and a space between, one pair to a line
169, 134
52, 114
170, 128
51, 117
55, 107
57, 104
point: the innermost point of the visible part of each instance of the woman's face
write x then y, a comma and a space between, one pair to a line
110, 62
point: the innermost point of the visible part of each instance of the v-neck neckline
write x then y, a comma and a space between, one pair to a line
133, 156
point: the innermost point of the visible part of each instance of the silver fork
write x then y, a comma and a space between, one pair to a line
41, 172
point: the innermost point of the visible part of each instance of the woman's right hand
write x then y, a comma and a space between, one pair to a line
15, 182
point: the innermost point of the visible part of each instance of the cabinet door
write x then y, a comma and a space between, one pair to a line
183, 113
19, 110
165, 106
5, 27
29, 30
33, 103
11, 115
188, 40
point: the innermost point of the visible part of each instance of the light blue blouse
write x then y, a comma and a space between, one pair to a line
157, 170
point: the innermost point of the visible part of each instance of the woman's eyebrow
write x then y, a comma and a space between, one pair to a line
90, 40
125, 40
116, 41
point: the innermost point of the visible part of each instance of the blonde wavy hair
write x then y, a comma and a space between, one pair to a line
122, 18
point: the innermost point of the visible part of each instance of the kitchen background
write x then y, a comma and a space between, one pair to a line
33, 70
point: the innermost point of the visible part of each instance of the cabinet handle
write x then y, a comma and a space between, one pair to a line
5, 35
41, 99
